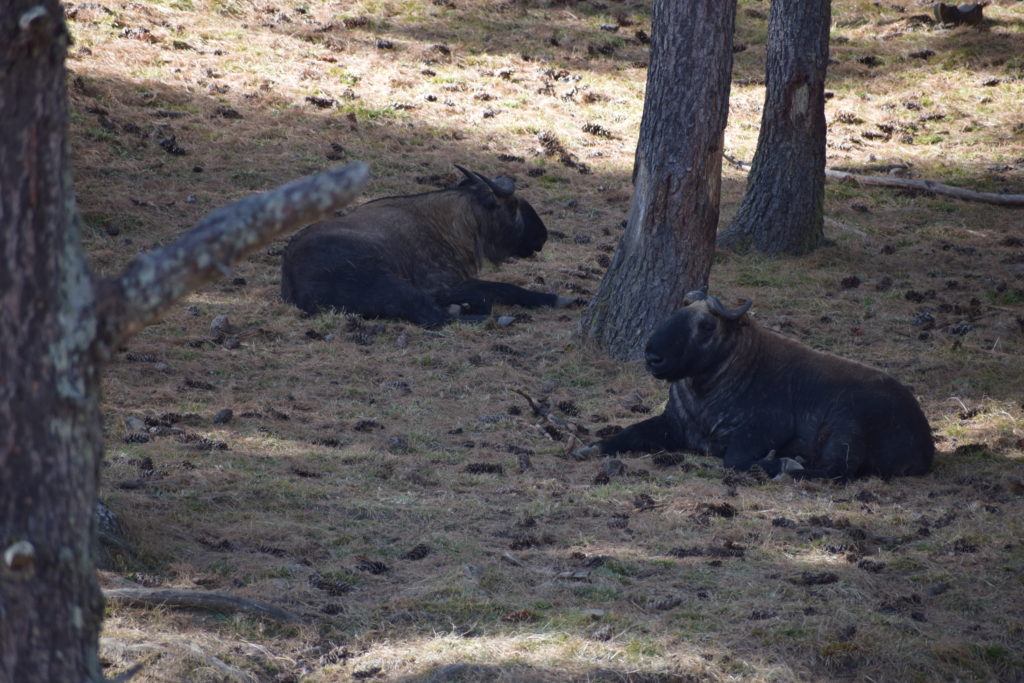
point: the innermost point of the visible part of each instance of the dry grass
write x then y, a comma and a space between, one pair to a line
352, 449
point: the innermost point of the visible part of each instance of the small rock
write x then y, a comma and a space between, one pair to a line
220, 325
134, 424
232, 343
223, 416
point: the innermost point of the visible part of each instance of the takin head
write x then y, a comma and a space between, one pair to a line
513, 227
698, 338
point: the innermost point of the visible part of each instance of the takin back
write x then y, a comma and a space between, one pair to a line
415, 257
754, 398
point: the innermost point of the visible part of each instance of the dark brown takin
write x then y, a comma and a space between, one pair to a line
416, 257
755, 398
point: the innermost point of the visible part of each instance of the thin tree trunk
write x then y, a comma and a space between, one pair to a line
669, 241
782, 209
58, 325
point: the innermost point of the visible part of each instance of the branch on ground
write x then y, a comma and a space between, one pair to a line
205, 600
1014, 200
542, 409
155, 280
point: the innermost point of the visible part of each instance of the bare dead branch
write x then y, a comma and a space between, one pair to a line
155, 280
1013, 200
542, 409
206, 600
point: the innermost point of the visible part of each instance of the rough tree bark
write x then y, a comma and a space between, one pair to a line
58, 325
669, 240
782, 210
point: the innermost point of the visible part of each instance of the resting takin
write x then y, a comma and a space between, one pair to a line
752, 397
415, 257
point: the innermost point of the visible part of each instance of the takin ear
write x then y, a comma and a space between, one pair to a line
501, 186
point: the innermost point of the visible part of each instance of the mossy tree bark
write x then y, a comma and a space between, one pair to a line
669, 240
782, 210
58, 325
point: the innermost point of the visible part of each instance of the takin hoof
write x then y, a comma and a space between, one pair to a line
585, 453
956, 15
565, 301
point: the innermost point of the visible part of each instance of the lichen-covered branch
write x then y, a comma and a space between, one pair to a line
155, 280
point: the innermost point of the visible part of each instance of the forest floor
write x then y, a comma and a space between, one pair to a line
391, 486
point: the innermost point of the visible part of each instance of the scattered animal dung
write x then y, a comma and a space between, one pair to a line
417, 553
815, 578
484, 468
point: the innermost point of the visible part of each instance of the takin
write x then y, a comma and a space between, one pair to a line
415, 257
754, 398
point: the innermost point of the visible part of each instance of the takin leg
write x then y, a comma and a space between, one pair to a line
469, 300
504, 293
654, 434
841, 459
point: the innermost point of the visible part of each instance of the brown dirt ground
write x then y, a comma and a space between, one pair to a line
358, 482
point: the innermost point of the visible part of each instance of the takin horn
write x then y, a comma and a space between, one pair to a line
695, 295
721, 311
469, 174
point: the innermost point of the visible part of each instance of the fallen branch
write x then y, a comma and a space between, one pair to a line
1013, 200
205, 600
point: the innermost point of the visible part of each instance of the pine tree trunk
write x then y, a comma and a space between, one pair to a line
50, 433
782, 210
669, 241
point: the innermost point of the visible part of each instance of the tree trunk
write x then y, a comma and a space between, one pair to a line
50, 432
782, 210
57, 327
669, 240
